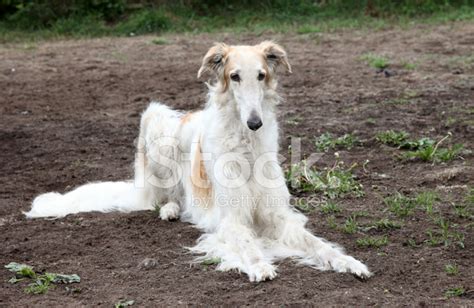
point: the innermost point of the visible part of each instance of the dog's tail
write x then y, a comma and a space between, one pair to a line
100, 197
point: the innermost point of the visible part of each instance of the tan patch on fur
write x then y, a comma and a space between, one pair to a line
187, 117
202, 189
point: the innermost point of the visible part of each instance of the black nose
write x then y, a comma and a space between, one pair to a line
254, 123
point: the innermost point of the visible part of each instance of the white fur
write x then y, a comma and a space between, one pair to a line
248, 226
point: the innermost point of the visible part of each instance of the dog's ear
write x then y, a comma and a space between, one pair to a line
275, 55
214, 59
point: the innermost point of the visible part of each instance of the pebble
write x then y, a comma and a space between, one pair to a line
148, 263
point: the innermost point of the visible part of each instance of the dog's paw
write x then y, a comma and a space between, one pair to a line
261, 272
169, 211
351, 265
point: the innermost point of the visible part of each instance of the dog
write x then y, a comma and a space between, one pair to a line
218, 169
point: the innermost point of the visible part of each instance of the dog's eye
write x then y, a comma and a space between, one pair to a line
261, 76
235, 77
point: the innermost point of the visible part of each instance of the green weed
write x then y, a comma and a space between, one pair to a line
375, 61
444, 235
426, 201
41, 282
455, 292
392, 138
40, 286
427, 149
160, 41
463, 211
376, 242
331, 220
350, 225
330, 207
334, 182
409, 66
387, 224
451, 269
400, 205
327, 142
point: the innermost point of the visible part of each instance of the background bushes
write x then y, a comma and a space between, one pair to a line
129, 17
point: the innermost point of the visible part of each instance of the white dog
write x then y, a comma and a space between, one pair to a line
218, 169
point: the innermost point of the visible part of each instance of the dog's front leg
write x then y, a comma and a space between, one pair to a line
287, 228
240, 250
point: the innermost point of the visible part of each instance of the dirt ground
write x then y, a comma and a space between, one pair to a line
70, 112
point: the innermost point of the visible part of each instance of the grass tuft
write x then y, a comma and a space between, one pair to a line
330, 207
392, 138
159, 41
451, 269
375, 242
426, 201
387, 224
375, 61
400, 205
334, 182
41, 282
327, 142
428, 150
455, 292
350, 225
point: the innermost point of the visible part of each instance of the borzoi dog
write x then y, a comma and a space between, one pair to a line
218, 169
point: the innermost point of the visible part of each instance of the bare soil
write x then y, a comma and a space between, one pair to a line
70, 112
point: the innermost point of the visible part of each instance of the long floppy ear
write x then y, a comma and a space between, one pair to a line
275, 55
214, 59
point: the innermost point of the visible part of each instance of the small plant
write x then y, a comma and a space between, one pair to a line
392, 138
409, 66
350, 225
426, 201
41, 282
444, 235
332, 222
387, 224
330, 207
449, 153
370, 121
376, 242
463, 211
454, 292
333, 182
375, 61
21, 270
305, 29
326, 142
159, 41
417, 144
400, 205
156, 208
412, 243
40, 286
470, 197
427, 149
451, 269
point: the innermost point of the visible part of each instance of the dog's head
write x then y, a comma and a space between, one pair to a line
246, 72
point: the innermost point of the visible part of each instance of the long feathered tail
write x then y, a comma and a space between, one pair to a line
100, 197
